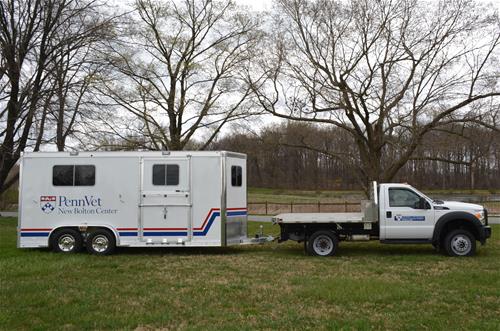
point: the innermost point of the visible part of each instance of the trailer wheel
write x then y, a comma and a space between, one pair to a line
67, 241
460, 243
322, 243
101, 242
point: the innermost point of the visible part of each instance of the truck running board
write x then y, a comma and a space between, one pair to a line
406, 241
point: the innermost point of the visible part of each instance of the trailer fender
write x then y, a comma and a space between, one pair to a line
463, 218
84, 228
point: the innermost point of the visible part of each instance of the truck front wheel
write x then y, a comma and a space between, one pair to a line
322, 243
460, 243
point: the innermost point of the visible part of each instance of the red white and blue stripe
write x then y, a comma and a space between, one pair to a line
202, 230
38, 232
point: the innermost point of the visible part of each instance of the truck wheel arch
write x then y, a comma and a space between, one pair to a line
456, 220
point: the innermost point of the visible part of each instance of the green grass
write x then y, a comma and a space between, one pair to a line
272, 286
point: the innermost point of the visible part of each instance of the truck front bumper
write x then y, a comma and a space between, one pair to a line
487, 232
484, 233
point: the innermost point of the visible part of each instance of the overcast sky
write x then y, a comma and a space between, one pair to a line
256, 4
266, 4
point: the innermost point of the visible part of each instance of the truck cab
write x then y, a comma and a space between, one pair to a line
395, 214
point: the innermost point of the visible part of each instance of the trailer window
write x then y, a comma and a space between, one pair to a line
84, 175
172, 174
159, 174
400, 197
166, 174
62, 175
73, 175
236, 176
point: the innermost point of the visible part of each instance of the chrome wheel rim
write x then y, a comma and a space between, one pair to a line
461, 244
323, 245
100, 243
66, 243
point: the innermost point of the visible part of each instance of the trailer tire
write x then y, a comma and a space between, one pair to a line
322, 243
101, 242
460, 243
66, 241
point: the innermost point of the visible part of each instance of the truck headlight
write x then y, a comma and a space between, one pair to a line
479, 214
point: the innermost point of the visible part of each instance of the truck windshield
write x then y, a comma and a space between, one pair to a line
421, 194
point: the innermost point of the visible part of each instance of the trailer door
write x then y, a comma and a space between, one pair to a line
236, 200
165, 199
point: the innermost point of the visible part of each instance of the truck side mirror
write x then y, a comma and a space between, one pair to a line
423, 204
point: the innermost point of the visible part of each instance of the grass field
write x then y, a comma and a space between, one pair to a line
272, 286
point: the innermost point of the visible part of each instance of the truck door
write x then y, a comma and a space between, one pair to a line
165, 199
407, 215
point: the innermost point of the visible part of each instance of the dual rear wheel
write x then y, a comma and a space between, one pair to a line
322, 243
98, 242
457, 242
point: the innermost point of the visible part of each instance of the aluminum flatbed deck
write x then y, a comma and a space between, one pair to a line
320, 218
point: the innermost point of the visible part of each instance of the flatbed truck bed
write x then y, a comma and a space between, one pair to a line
320, 218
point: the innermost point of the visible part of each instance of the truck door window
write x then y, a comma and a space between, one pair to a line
166, 174
236, 176
401, 197
73, 175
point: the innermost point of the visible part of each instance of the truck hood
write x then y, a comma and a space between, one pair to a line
455, 205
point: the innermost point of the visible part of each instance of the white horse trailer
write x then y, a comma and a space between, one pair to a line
136, 199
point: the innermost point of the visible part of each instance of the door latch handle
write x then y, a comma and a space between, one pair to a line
389, 214
165, 213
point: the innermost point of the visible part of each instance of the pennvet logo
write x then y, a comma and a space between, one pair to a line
48, 203
401, 218
87, 204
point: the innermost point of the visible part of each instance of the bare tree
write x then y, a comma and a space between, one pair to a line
35, 36
386, 72
26, 28
179, 75
457, 156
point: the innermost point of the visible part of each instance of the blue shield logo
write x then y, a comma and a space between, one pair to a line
48, 203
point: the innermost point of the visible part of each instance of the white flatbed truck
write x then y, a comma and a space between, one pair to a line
395, 214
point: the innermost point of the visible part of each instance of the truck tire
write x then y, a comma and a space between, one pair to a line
460, 243
101, 242
322, 243
66, 241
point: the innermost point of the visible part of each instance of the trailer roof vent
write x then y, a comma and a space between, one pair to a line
165, 153
74, 153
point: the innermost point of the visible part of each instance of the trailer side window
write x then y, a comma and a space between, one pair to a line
84, 175
166, 174
73, 175
236, 176
62, 175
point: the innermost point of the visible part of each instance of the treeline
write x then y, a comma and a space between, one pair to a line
460, 157
404, 90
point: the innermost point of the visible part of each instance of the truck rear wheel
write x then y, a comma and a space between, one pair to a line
322, 243
67, 241
101, 242
460, 243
